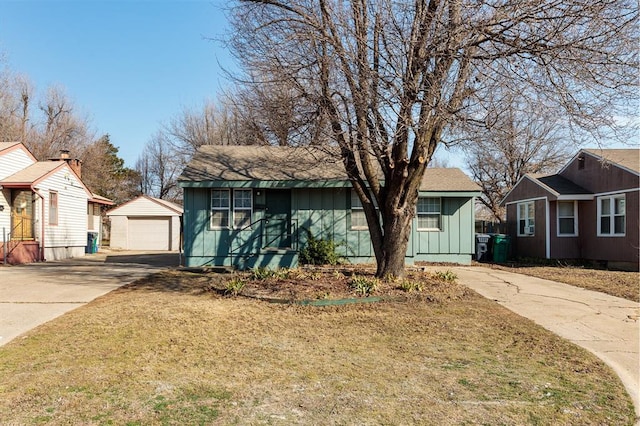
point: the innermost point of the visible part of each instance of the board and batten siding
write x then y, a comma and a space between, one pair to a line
10, 162
325, 213
454, 242
69, 237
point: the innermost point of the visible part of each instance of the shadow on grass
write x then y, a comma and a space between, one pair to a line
174, 281
151, 259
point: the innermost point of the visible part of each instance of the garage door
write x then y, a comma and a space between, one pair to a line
149, 233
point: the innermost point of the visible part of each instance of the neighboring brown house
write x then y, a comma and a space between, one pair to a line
588, 210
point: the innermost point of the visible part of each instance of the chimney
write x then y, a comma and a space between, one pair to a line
74, 163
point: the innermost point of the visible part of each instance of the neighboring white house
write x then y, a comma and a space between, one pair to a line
43, 207
146, 223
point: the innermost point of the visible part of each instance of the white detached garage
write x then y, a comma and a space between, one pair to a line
146, 223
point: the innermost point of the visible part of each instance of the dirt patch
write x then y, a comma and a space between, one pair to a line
316, 283
615, 283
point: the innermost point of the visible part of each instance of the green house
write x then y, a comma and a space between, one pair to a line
254, 206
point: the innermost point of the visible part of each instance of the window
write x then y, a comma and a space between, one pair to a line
526, 218
242, 207
611, 215
53, 208
567, 223
219, 208
428, 214
358, 219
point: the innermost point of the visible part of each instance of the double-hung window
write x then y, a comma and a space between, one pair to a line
358, 218
526, 218
222, 213
611, 215
429, 214
567, 223
242, 207
53, 208
220, 208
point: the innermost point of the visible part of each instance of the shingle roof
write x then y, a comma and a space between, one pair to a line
628, 158
238, 163
275, 163
32, 173
561, 185
7, 145
440, 179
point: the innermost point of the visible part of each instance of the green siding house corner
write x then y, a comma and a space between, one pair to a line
254, 206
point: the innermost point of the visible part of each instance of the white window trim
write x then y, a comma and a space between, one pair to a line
234, 208
527, 218
56, 220
353, 207
439, 229
575, 219
211, 209
610, 197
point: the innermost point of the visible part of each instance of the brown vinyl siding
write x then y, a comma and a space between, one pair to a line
526, 190
563, 247
619, 249
598, 177
527, 246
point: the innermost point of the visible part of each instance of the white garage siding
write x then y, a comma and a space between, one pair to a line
146, 223
149, 233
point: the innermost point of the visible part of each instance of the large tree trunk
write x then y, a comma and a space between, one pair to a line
391, 255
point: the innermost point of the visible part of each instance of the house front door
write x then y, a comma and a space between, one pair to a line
278, 218
21, 215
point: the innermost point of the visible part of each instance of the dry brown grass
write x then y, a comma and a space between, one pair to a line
616, 283
169, 350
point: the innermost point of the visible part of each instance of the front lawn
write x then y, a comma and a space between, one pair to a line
173, 350
615, 283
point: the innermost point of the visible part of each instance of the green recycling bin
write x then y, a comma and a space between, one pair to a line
500, 250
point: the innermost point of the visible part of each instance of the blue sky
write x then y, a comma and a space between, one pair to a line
128, 65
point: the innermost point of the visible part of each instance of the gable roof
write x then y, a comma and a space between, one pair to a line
270, 163
557, 185
447, 179
37, 172
6, 147
276, 163
144, 202
628, 159
32, 174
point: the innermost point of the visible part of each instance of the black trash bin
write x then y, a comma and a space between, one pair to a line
482, 248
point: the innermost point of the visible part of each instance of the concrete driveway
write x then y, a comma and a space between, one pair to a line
605, 325
35, 293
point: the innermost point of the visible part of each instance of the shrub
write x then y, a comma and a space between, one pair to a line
363, 286
319, 251
409, 286
447, 276
261, 273
235, 286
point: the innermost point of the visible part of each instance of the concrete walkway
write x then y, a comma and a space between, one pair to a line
605, 325
35, 293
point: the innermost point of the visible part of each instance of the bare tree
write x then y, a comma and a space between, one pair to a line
394, 78
159, 167
512, 137
61, 127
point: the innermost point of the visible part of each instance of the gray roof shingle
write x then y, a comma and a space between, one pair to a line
275, 163
561, 185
